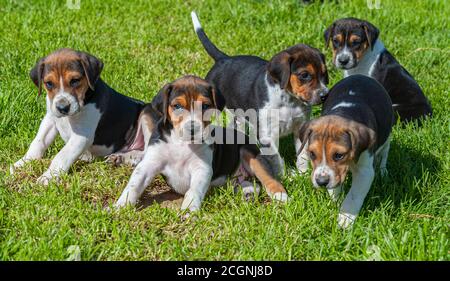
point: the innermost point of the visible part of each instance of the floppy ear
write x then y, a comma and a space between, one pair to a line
161, 101
371, 33
280, 68
92, 67
305, 133
328, 33
36, 74
362, 138
218, 98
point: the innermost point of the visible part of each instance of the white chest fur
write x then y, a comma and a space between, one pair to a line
290, 111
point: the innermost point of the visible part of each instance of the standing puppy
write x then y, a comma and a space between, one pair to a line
290, 83
91, 118
353, 130
178, 122
358, 50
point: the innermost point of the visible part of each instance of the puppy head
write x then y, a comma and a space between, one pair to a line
67, 75
333, 144
301, 70
187, 104
351, 38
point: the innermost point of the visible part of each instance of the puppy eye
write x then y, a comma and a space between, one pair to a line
338, 156
74, 82
336, 42
356, 42
304, 76
205, 106
312, 155
178, 106
49, 85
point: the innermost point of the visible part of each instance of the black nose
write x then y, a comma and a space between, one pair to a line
64, 109
343, 60
324, 94
322, 180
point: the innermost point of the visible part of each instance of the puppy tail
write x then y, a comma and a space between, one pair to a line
210, 48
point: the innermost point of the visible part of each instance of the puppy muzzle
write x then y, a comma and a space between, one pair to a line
65, 104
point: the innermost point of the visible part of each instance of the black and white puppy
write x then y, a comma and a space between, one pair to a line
92, 119
289, 84
357, 49
353, 130
177, 124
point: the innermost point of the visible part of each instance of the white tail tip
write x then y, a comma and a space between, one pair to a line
195, 21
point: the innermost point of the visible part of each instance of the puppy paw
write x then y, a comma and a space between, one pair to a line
280, 197
44, 180
114, 159
16, 166
345, 220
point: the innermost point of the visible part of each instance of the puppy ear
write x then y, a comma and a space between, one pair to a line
304, 134
36, 74
161, 101
92, 67
279, 68
328, 33
361, 137
371, 33
218, 98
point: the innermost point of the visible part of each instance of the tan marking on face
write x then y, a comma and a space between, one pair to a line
340, 38
304, 89
361, 50
57, 69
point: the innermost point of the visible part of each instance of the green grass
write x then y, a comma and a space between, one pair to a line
145, 44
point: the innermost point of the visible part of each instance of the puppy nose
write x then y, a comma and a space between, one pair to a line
343, 59
63, 108
324, 94
323, 180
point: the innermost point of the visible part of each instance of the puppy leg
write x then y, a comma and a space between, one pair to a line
45, 136
335, 192
73, 149
302, 156
362, 174
200, 181
141, 177
250, 190
383, 153
256, 166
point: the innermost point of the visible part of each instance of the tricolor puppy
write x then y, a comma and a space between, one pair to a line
357, 49
290, 83
179, 123
351, 133
91, 118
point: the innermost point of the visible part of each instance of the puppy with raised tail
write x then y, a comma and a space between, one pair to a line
357, 49
178, 122
352, 132
91, 118
289, 84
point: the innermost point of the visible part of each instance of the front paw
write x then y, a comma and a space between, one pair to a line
44, 179
17, 165
280, 197
114, 159
346, 220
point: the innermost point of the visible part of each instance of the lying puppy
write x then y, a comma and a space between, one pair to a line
177, 150
358, 50
353, 129
290, 83
91, 118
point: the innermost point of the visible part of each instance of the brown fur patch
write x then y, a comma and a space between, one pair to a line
301, 89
